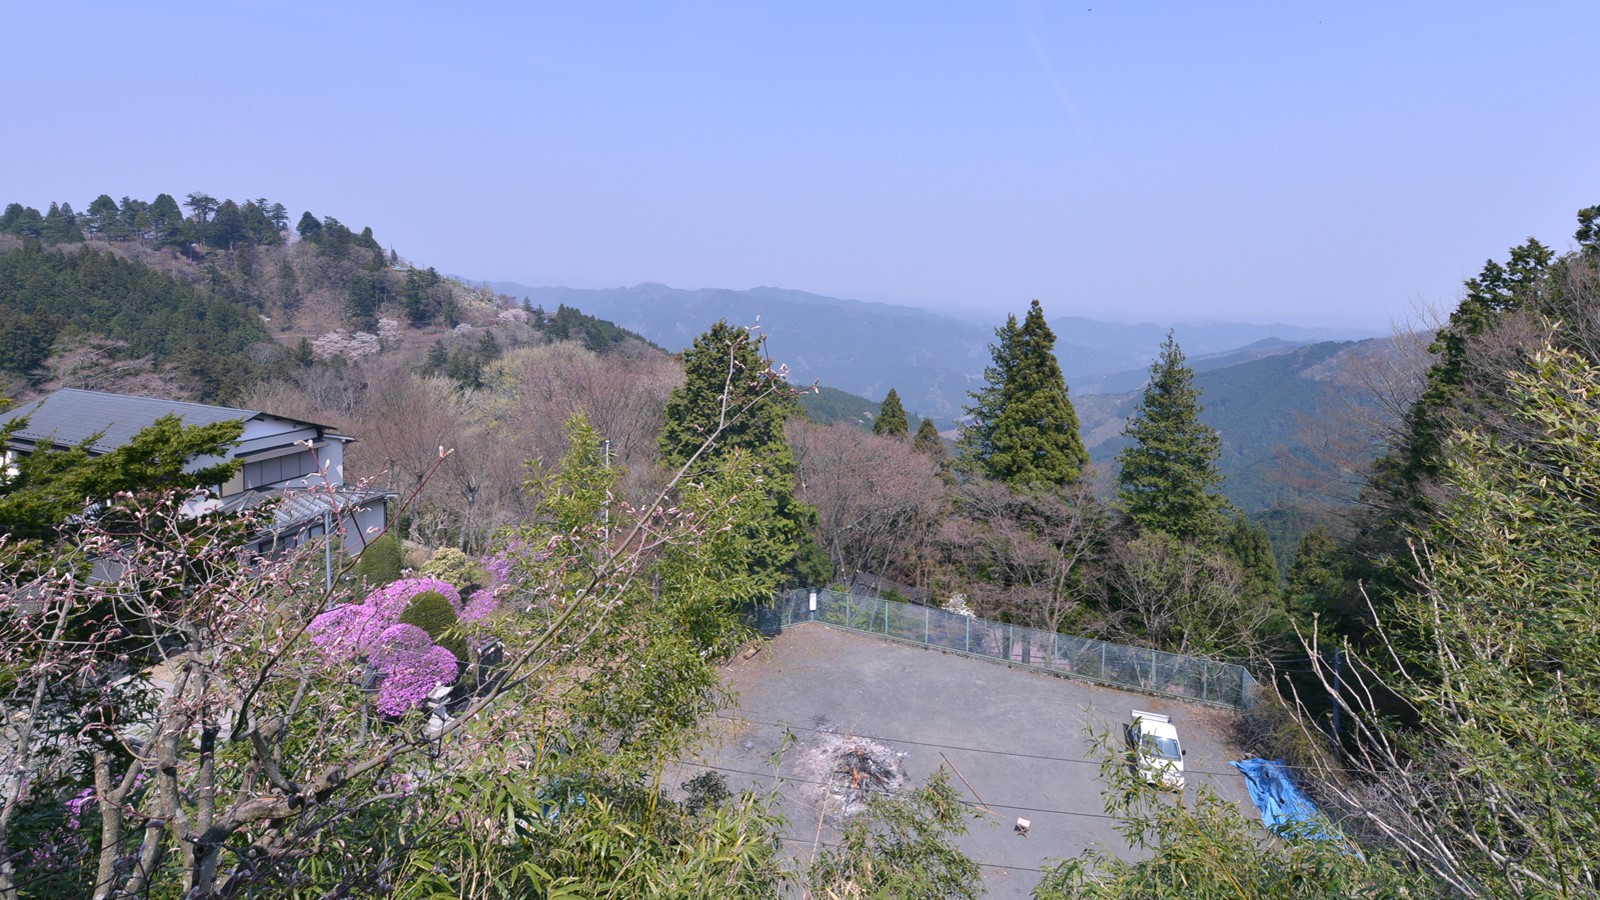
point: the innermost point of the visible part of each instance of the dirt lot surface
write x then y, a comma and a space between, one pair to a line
1019, 740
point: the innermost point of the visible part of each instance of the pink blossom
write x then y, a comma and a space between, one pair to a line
391, 600
410, 676
343, 633
498, 565
480, 606
396, 643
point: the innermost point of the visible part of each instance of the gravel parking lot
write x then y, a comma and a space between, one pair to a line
1018, 739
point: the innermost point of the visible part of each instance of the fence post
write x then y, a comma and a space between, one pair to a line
1153, 668
927, 616
1103, 662
849, 619
1055, 653
967, 646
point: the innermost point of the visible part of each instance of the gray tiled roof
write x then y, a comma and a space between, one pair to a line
70, 416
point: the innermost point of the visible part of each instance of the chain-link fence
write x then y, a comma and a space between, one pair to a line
1142, 669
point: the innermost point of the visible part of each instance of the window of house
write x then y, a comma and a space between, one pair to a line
268, 472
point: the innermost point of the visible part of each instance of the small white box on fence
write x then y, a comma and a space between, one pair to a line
813, 601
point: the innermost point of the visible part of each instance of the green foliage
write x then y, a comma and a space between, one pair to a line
1252, 548
1500, 648
571, 324
732, 398
826, 406
381, 562
1201, 847
902, 846
431, 611
49, 486
1316, 577
891, 420
590, 837
45, 295
927, 440
452, 565
1169, 473
1024, 430
1496, 290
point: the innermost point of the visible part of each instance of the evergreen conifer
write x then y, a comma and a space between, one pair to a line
1024, 430
1169, 471
891, 420
927, 440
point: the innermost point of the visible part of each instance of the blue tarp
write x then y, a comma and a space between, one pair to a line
1284, 807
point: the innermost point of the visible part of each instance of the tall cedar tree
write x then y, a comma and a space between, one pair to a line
1169, 471
927, 440
891, 420
1024, 430
729, 388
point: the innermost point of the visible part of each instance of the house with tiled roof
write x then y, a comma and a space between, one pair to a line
295, 465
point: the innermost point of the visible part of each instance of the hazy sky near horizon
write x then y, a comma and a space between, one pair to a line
1314, 163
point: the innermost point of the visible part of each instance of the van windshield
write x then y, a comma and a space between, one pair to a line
1164, 747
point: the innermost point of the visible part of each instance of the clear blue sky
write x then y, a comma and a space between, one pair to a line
1330, 163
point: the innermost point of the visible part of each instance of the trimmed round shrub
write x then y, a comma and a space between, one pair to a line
432, 612
380, 563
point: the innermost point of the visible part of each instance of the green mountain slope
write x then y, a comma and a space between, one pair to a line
1282, 418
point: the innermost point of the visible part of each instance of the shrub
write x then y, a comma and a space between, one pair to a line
380, 563
432, 612
450, 564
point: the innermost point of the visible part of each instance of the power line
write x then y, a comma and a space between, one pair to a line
895, 740
1230, 772
799, 780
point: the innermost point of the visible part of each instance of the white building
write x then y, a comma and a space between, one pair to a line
299, 464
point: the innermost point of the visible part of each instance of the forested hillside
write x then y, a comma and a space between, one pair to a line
203, 306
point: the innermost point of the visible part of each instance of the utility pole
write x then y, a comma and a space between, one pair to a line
607, 530
327, 545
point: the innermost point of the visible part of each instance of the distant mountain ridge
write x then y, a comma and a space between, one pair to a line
865, 348
1280, 418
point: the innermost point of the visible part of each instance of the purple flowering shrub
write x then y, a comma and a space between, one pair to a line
408, 659
392, 599
344, 632
480, 606
411, 675
498, 565
396, 644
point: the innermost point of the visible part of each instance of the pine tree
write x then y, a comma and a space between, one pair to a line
1169, 471
1251, 547
309, 228
927, 440
727, 387
730, 393
891, 420
1024, 430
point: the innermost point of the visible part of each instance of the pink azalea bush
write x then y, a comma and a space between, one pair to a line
411, 675
480, 606
405, 655
391, 599
344, 632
